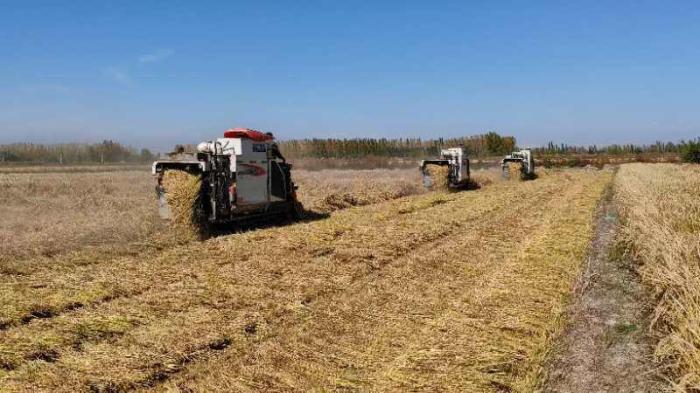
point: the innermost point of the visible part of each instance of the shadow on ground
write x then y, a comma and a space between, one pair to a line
261, 223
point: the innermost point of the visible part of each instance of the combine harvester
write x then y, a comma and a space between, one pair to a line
243, 177
453, 164
521, 160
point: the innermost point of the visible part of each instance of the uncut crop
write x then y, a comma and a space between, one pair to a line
451, 292
330, 190
50, 213
661, 230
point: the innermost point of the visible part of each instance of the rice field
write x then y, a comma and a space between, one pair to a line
411, 291
661, 233
329, 190
45, 214
82, 209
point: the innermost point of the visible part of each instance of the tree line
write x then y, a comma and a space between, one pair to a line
477, 145
489, 144
657, 147
689, 151
73, 153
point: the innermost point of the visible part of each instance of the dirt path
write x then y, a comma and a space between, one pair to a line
606, 347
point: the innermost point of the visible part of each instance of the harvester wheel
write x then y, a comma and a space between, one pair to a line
200, 220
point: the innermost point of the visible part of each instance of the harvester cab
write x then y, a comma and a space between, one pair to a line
522, 159
242, 176
455, 165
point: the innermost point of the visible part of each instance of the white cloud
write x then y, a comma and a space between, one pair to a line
159, 55
119, 75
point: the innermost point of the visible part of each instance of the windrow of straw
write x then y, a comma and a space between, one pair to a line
439, 175
661, 230
182, 193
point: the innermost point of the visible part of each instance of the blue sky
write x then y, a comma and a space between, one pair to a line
156, 73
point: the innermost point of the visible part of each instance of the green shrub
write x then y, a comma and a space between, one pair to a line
690, 151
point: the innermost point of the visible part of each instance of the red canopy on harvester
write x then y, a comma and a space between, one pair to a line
255, 135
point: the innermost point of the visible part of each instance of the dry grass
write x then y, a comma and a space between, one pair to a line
39, 169
45, 214
76, 209
486, 176
329, 190
451, 292
661, 208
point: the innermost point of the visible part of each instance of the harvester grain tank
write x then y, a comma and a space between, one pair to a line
526, 163
243, 176
456, 162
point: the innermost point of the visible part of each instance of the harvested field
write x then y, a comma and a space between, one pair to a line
661, 232
458, 292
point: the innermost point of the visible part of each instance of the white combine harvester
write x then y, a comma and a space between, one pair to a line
243, 176
524, 159
457, 163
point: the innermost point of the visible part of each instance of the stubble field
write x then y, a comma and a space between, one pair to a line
399, 290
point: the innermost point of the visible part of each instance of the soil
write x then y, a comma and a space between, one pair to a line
606, 346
